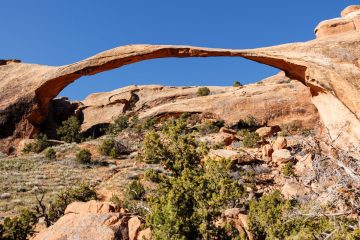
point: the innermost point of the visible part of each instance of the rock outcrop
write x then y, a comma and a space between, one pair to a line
94, 220
329, 66
277, 100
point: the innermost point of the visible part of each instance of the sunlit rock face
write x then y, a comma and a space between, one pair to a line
328, 66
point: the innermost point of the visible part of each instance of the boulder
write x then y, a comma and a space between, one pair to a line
280, 143
134, 225
224, 153
92, 206
267, 131
281, 156
90, 220
145, 234
232, 212
266, 152
294, 189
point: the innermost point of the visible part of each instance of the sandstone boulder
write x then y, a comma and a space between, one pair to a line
267, 131
281, 156
134, 227
145, 234
267, 152
294, 189
90, 220
280, 143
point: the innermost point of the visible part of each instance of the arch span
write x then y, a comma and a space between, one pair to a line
314, 63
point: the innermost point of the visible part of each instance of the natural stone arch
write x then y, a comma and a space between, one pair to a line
329, 66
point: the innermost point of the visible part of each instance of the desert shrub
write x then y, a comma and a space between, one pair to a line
260, 83
153, 175
291, 128
107, 148
284, 81
135, 190
248, 122
70, 130
272, 217
58, 204
288, 170
175, 148
50, 154
306, 132
38, 146
203, 91
120, 123
20, 227
208, 127
187, 206
250, 139
192, 196
237, 84
83, 156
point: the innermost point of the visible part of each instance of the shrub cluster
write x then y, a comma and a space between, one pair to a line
188, 201
272, 217
237, 84
120, 123
249, 139
38, 146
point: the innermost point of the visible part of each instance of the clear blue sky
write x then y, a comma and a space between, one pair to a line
61, 32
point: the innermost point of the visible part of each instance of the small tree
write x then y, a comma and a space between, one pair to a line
120, 123
70, 130
50, 154
203, 91
237, 84
83, 156
107, 148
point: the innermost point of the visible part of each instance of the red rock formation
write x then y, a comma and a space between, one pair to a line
329, 66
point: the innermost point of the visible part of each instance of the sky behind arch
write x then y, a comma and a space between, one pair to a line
62, 32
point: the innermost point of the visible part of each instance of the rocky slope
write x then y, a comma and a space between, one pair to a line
328, 66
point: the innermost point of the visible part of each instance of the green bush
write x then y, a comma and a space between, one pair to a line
271, 217
38, 146
50, 154
83, 156
248, 122
188, 206
20, 227
153, 175
107, 148
288, 170
250, 139
237, 84
120, 123
208, 127
175, 149
135, 190
203, 91
70, 130
116, 201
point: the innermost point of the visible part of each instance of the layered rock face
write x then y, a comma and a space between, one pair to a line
277, 100
329, 66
